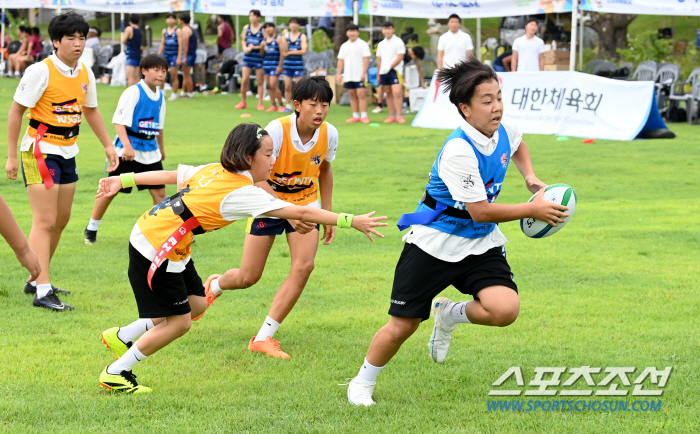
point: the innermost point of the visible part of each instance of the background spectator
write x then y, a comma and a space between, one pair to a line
528, 50
93, 40
455, 45
224, 33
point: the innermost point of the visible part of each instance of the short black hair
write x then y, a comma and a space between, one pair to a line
67, 24
312, 88
454, 16
352, 26
294, 20
255, 12
241, 142
268, 24
419, 52
36, 31
387, 24
171, 15
531, 20
22, 29
152, 61
462, 79
185, 17
134, 18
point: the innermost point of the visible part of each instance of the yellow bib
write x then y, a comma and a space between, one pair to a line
203, 194
294, 176
61, 105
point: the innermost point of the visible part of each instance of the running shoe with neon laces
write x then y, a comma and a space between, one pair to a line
269, 346
110, 338
360, 392
365, 120
352, 120
442, 334
390, 120
123, 382
52, 302
401, 120
210, 296
90, 236
240, 105
271, 109
31, 289
261, 107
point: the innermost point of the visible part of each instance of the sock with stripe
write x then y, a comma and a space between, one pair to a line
127, 361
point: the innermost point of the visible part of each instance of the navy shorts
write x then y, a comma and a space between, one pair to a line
62, 170
126, 166
272, 72
254, 64
189, 61
389, 78
172, 61
269, 226
354, 85
292, 72
132, 62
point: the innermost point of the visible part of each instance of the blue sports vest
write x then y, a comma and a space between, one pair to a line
171, 44
294, 62
272, 55
192, 44
133, 45
146, 120
492, 169
254, 39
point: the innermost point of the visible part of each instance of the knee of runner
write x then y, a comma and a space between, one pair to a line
400, 331
304, 267
250, 279
506, 315
183, 326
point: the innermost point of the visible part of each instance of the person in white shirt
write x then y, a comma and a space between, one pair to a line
455, 238
139, 120
390, 54
455, 45
528, 50
93, 40
353, 62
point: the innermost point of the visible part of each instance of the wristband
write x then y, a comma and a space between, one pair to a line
345, 220
128, 179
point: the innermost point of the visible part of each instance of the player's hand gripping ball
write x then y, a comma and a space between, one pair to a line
557, 193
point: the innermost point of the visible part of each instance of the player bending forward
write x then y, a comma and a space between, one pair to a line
452, 246
169, 292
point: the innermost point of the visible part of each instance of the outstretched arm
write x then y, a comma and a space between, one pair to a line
110, 186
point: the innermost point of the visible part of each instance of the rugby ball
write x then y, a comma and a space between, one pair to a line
557, 193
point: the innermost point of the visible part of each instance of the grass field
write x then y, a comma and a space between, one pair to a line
617, 287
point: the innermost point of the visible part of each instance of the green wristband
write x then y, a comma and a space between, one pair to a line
345, 220
128, 179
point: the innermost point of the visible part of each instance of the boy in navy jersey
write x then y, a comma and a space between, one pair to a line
139, 142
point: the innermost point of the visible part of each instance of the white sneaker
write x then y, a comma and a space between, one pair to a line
377, 110
360, 392
442, 335
173, 97
190, 94
167, 86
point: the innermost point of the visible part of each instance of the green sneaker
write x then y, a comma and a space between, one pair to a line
124, 382
112, 341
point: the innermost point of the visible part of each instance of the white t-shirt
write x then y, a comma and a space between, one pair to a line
458, 161
276, 132
93, 43
388, 50
353, 55
248, 201
32, 87
455, 46
528, 53
124, 115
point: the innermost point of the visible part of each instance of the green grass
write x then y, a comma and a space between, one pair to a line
617, 287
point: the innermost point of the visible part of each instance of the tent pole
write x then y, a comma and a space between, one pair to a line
355, 8
2, 38
574, 28
238, 37
478, 38
113, 32
192, 11
309, 31
121, 18
580, 46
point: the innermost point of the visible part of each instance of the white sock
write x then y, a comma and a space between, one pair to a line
33, 283
182, 93
127, 361
215, 288
42, 290
363, 115
93, 225
190, 94
268, 328
458, 313
369, 372
289, 106
135, 330
16, 73
355, 114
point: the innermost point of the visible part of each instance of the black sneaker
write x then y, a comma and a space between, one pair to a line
51, 301
90, 236
31, 289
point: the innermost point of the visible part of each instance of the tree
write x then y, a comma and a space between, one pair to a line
612, 29
340, 37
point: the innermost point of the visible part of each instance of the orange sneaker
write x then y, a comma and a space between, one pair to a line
352, 120
271, 109
390, 119
210, 295
269, 346
281, 109
365, 120
401, 120
240, 105
261, 107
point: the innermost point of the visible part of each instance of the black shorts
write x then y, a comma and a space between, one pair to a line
419, 277
269, 226
170, 290
133, 166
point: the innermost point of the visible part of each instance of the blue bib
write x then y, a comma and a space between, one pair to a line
171, 44
272, 55
492, 169
146, 120
254, 39
295, 61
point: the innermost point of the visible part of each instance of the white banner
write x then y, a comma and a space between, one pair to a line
276, 8
126, 6
644, 7
463, 8
563, 103
21, 4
